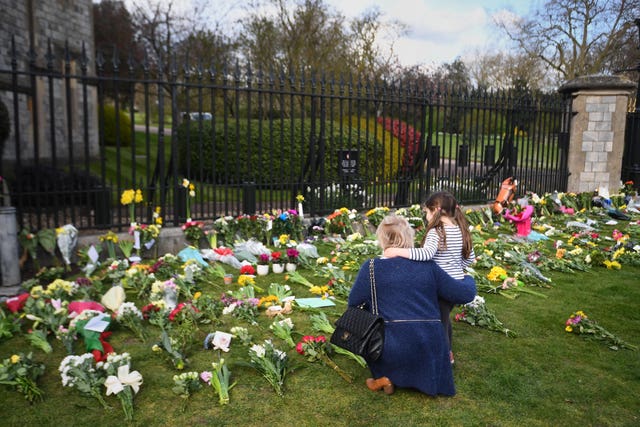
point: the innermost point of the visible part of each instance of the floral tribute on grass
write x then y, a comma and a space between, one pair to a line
271, 362
183, 300
80, 373
21, 372
316, 349
579, 323
184, 385
120, 381
476, 313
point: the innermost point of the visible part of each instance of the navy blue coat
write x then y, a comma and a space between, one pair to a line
416, 353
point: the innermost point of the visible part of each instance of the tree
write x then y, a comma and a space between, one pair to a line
307, 35
575, 37
502, 70
115, 41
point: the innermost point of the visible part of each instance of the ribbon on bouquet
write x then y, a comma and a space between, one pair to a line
125, 378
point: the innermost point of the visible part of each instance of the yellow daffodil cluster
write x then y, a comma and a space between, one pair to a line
109, 237
131, 196
268, 301
612, 265
157, 219
497, 274
245, 279
324, 290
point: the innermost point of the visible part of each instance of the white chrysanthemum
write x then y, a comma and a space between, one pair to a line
258, 350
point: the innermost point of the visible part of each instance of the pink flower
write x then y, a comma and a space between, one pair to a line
206, 377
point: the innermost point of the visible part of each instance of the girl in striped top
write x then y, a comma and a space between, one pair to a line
447, 241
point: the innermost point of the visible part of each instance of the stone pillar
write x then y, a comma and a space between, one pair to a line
597, 131
9, 251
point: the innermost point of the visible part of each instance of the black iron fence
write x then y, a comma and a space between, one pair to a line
252, 141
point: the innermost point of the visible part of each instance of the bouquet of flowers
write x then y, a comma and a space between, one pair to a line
129, 316
184, 384
120, 381
80, 373
110, 239
579, 323
21, 372
271, 363
129, 198
193, 232
219, 379
315, 349
476, 313
282, 329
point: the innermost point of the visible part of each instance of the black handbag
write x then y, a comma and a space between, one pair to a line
361, 331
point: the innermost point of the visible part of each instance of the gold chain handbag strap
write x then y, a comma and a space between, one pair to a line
374, 296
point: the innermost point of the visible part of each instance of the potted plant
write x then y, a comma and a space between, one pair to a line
263, 265
292, 259
276, 262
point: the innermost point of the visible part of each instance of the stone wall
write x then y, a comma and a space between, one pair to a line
597, 131
37, 26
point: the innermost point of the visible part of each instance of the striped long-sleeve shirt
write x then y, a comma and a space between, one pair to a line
450, 260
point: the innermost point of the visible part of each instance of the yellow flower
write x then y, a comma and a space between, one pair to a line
300, 198
127, 197
197, 295
245, 279
612, 265
156, 348
496, 274
617, 253
568, 329
36, 291
322, 260
138, 196
15, 359
283, 239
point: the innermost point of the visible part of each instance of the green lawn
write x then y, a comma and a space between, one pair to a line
542, 377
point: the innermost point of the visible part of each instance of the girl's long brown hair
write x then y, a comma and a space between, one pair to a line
444, 203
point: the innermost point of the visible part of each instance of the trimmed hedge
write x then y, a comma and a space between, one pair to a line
267, 152
110, 135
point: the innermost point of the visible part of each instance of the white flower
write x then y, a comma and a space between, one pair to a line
229, 309
258, 350
116, 384
221, 341
477, 302
287, 322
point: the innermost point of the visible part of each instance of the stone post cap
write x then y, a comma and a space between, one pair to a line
597, 82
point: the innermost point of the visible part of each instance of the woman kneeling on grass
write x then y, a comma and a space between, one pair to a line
416, 353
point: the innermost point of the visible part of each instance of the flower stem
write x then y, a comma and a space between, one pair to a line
330, 363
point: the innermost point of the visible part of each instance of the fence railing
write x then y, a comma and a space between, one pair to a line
252, 142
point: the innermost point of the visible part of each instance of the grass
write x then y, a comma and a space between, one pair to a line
542, 377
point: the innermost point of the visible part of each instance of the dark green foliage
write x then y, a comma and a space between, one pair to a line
116, 130
478, 123
263, 152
